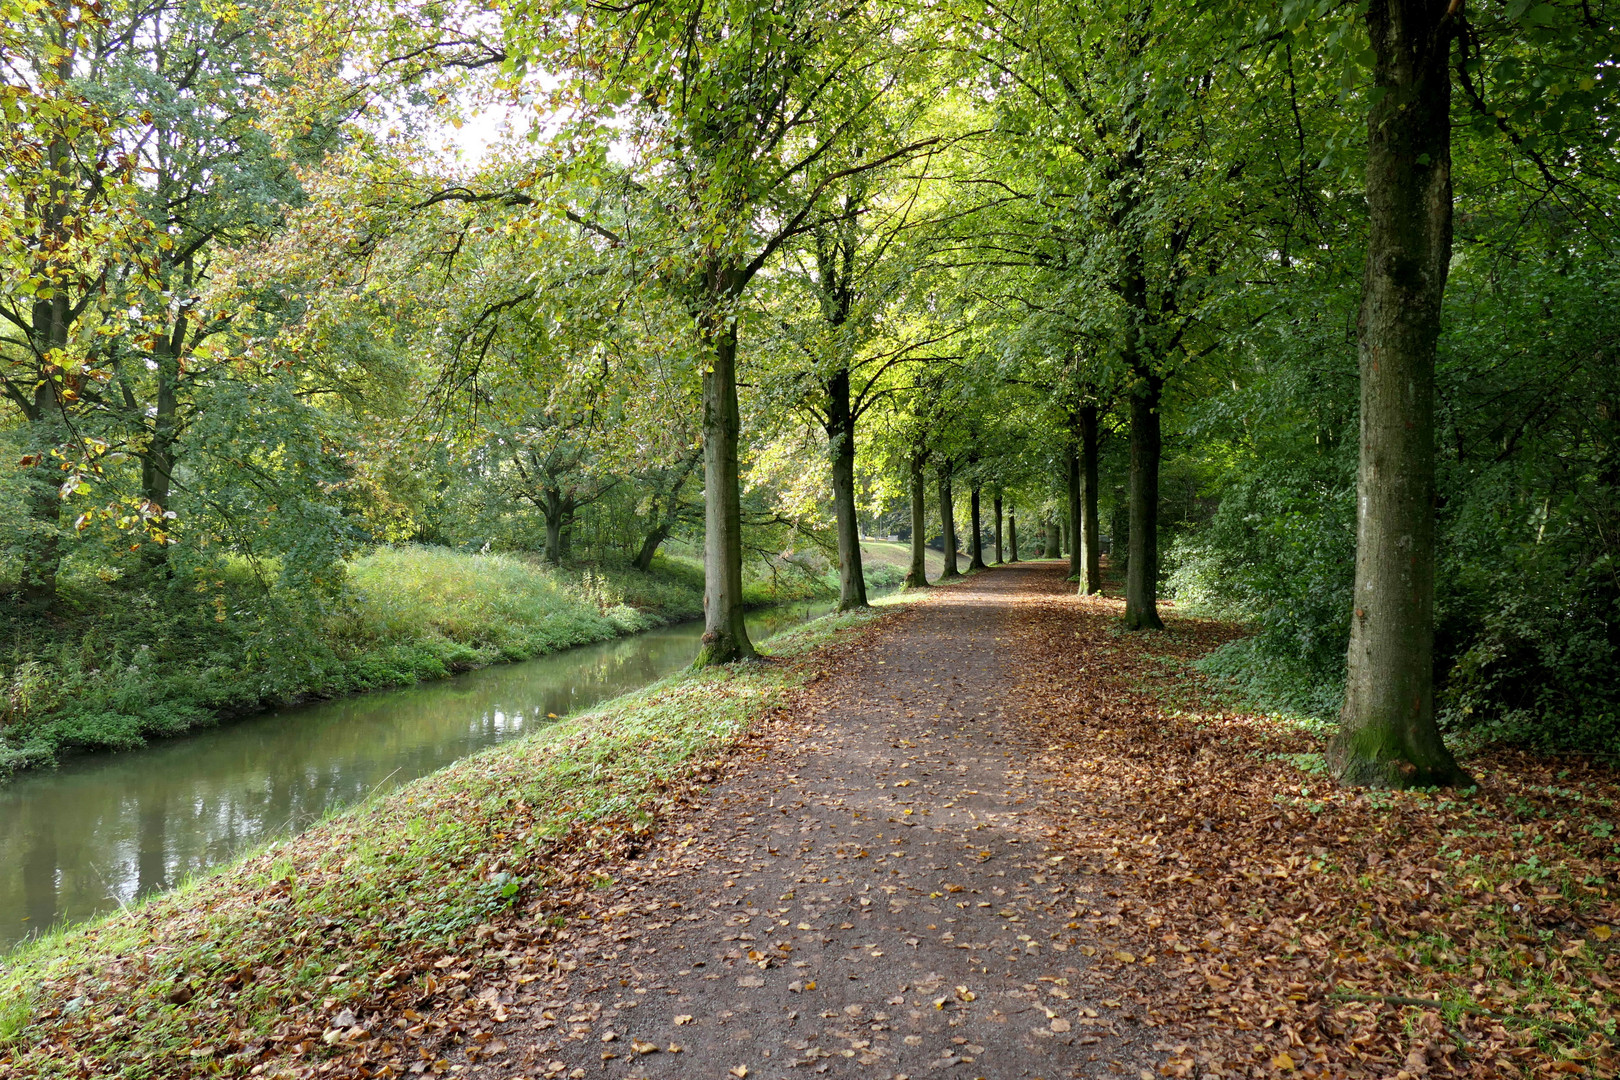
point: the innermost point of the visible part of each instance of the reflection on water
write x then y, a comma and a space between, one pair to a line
102, 830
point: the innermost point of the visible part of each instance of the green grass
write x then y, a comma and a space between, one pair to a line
356, 908
116, 664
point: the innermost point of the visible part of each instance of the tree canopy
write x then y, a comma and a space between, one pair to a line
1297, 312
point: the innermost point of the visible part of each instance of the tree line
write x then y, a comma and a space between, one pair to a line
1306, 307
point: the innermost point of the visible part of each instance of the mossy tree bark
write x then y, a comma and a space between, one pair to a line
725, 636
947, 522
1142, 569
917, 575
1090, 542
1387, 734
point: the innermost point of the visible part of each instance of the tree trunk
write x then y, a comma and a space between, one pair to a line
649, 547
976, 544
1090, 544
841, 441
1072, 463
725, 637
553, 511
1054, 540
1142, 572
1012, 534
999, 559
51, 318
42, 553
947, 523
917, 575
1387, 735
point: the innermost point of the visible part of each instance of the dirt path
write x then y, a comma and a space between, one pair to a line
872, 896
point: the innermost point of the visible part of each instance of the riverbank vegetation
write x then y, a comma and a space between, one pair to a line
113, 667
383, 905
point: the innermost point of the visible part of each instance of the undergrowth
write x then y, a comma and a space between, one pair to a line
115, 664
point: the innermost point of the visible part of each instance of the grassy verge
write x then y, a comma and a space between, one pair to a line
384, 904
115, 664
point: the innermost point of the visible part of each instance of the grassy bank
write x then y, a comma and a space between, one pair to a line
248, 965
114, 664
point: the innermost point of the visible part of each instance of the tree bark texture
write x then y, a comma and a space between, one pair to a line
1012, 534
1090, 543
841, 441
947, 523
1387, 734
917, 575
725, 637
1054, 540
1142, 572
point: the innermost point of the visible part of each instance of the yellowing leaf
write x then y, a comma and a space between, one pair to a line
1602, 933
1283, 1063
1125, 957
683, 1020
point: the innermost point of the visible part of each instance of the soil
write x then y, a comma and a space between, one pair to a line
873, 891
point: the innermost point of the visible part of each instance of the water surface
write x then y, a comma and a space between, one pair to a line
102, 830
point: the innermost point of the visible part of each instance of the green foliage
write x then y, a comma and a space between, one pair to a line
132, 663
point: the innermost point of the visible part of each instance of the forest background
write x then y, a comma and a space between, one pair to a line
305, 394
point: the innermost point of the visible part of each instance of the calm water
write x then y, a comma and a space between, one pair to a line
102, 830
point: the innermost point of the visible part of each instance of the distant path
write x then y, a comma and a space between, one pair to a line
871, 896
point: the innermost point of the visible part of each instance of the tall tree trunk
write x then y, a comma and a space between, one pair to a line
1054, 540
1387, 735
553, 511
841, 441
725, 636
1090, 544
976, 544
947, 522
1142, 572
999, 559
917, 575
1072, 461
1012, 534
